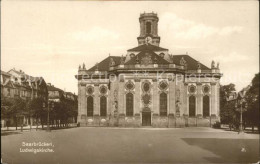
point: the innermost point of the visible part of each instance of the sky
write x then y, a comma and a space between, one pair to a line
51, 38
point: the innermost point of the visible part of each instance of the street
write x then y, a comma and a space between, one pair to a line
130, 145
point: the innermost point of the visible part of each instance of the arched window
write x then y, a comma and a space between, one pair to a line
206, 105
148, 27
103, 106
192, 106
90, 106
129, 104
163, 104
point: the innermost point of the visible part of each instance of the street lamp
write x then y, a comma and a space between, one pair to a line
48, 117
239, 107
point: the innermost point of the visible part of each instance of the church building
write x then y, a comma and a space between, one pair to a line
148, 86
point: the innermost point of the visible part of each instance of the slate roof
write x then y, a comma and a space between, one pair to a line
192, 64
142, 54
104, 64
52, 88
148, 47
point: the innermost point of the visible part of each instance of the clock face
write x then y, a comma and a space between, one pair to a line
148, 39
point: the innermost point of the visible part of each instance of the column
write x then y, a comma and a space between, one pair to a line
82, 99
184, 99
199, 98
121, 97
213, 100
171, 97
218, 100
137, 96
96, 100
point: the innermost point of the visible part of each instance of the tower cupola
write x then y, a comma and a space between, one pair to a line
148, 29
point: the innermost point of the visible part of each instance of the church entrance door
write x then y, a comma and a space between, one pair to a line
146, 118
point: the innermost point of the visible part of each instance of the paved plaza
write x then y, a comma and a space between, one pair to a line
128, 145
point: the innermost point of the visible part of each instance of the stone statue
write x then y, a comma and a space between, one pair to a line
84, 66
213, 64
155, 60
218, 65
137, 60
122, 62
178, 94
79, 67
182, 61
199, 65
96, 66
112, 62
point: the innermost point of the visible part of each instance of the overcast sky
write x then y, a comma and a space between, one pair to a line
51, 38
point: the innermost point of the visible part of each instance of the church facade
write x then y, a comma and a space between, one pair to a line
148, 86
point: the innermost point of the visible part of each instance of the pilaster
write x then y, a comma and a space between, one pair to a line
155, 97
121, 98
213, 101
137, 96
199, 100
171, 97
96, 100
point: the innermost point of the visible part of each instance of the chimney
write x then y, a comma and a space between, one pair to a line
49, 84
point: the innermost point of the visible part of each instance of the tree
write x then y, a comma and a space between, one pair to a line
228, 114
18, 109
6, 112
252, 98
36, 110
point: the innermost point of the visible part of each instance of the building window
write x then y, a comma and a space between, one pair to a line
163, 104
90, 106
161, 55
103, 106
103, 89
148, 27
206, 105
206, 89
129, 104
192, 106
192, 89
8, 92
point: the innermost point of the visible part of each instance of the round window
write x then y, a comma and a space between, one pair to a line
192, 89
206, 89
103, 90
90, 90
163, 85
129, 85
146, 87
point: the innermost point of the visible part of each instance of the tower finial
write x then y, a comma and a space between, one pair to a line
212, 64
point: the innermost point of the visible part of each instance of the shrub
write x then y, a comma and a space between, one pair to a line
217, 125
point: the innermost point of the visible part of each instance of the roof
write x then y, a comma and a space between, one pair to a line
52, 88
149, 55
148, 47
5, 73
104, 64
192, 64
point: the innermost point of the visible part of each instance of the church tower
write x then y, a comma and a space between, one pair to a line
148, 29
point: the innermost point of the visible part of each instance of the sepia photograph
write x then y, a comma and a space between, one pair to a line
86, 82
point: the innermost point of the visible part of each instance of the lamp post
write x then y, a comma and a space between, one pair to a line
48, 116
239, 107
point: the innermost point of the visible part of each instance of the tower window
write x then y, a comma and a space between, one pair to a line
148, 27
